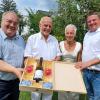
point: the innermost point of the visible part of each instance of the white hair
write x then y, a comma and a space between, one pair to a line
71, 26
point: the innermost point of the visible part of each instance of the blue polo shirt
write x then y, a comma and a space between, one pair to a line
12, 52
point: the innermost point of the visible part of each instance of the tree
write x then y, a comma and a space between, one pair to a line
67, 14
22, 23
73, 12
7, 5
10, 5
34, 18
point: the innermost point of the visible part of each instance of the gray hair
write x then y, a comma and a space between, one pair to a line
46, 18
71, 26
7, 12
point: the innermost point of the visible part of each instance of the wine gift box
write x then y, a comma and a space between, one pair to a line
57, 76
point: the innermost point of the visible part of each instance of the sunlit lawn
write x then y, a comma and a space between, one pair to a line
27, 96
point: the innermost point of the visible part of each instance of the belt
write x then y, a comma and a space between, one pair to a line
15, 80
93, 71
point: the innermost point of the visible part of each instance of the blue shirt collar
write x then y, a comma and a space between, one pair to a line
5, 36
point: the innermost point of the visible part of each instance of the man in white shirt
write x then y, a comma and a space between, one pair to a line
91, 57
43, 45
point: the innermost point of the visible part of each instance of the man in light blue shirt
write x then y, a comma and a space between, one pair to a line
11, 56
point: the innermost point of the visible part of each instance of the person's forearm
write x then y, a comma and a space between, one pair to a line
5, 67
57, 58
93, 62
79, 56
83, 65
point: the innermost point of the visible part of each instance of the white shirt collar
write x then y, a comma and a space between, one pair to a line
98, 29
41, 36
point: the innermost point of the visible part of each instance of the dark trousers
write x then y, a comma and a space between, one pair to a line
9, 90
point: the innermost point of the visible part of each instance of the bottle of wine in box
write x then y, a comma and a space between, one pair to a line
39, 71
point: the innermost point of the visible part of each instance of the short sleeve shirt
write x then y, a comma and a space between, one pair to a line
12, 52
37, 47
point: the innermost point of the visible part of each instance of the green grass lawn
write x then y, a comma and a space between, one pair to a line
27, 96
